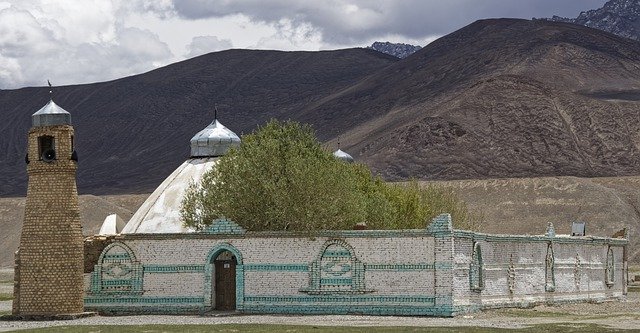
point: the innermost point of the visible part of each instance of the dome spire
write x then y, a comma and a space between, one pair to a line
51, 114
341, 155
215, 140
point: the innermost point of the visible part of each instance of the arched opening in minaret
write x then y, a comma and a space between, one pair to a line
46, 148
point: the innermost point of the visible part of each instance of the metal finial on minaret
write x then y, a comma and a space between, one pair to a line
215, 112
50, 90
338, 142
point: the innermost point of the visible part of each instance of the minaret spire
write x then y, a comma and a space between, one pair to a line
215, 112
50, 90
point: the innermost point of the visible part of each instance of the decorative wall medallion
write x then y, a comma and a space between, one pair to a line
336, 270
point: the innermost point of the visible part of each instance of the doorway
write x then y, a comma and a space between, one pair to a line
224, 287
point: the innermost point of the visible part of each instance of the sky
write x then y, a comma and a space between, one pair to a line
82, 41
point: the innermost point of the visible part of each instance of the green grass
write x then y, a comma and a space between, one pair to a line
564, 327
6, 297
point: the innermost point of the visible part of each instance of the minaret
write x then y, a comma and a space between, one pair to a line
49, 275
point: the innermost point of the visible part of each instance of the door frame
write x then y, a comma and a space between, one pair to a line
209, 276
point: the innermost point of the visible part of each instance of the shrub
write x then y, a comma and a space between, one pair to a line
281, 178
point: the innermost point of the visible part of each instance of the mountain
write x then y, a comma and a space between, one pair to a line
132, 132
619, 17
398, 50
498, 98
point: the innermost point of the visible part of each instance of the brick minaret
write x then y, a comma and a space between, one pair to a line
49, 272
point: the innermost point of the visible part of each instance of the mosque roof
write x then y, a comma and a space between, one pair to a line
343, 156
213, 140
51, 114
160, 213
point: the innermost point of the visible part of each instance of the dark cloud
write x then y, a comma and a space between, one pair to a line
354, 21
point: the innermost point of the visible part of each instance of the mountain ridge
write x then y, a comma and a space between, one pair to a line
619, 17
497, 98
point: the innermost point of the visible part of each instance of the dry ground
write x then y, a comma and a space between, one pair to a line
93, 210
612, 314
510, 205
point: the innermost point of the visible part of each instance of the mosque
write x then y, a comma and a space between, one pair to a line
154, 264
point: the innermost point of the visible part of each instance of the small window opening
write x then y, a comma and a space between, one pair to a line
47, 148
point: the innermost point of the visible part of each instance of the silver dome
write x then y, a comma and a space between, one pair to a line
50, 115
214, 140
339, 154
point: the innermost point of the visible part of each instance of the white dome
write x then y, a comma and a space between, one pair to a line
339, 154
160, 213
214, 140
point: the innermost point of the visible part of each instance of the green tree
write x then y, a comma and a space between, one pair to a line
281, 178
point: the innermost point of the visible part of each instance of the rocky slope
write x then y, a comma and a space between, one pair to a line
132, 132
398, 50
620, 17
498, 98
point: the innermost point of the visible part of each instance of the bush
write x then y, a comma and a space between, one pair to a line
281, 178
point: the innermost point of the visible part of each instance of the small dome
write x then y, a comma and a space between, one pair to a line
339, 154
50, 115
214, 140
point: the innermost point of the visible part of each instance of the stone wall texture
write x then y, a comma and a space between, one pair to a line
437, 271
51, 245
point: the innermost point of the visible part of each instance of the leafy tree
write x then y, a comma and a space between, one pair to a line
281, 178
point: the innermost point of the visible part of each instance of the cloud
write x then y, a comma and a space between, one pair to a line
79, 41
204, 44
353, 21
72, 42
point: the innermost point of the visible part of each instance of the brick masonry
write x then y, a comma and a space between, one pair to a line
436, 271
50, 279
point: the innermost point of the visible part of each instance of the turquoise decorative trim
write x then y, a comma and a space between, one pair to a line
224, 247
441, 225
209, 271
336, 282
406, 305
117, 272
91, 300
277, 267
224, 227
336, 299
399, 267
173, 269
336, 270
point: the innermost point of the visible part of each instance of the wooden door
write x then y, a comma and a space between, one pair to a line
225, 284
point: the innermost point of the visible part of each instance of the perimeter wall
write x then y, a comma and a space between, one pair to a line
437, 271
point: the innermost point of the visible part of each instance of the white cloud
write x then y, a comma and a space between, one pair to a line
79, 41
72, 42
204, 44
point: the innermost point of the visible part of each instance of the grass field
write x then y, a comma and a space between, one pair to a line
6, 284
566, 327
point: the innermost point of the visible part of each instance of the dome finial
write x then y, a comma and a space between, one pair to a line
215, 140
215, 111
50, 90
341, 155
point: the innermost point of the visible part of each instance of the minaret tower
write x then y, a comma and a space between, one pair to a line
49, 270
